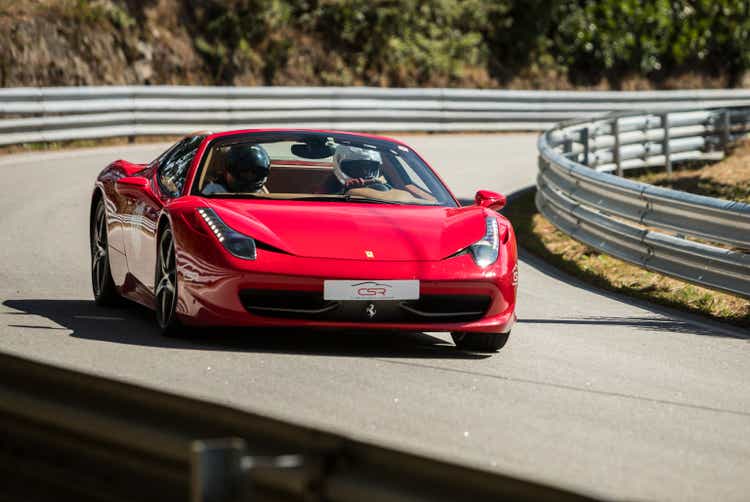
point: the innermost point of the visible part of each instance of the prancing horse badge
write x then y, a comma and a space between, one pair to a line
371, 310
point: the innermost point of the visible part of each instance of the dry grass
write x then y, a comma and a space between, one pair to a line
728, 179
538, 236
84, 143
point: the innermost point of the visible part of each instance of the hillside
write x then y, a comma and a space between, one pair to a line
618, 44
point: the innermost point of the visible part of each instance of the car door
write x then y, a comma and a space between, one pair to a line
167, 177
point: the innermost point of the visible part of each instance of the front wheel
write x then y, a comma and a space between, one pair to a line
105, 291
480, 342
165, 291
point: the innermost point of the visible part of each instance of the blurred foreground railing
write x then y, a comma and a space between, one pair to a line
702, 240
29, 115
70, 436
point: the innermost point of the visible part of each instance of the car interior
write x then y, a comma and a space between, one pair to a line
293, 176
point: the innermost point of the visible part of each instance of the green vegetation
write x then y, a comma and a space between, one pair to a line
482, 43
657, 39
413, 42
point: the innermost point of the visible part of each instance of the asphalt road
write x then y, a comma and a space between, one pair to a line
592, 393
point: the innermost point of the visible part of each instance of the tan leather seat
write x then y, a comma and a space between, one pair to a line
292, 179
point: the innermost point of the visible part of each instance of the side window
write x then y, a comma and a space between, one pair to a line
174, 165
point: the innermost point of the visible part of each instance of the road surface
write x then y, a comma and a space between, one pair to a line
593, 393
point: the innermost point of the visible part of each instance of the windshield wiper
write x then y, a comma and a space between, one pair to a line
320, 198
362, 198
229, 195
345, 198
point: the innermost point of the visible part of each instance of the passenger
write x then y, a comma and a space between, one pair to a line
246, 171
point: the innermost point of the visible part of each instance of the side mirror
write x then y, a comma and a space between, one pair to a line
491, 200
131, 185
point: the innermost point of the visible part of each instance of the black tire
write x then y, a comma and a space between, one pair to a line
480, 342
165, 286
105, 291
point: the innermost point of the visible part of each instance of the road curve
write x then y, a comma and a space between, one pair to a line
593, 393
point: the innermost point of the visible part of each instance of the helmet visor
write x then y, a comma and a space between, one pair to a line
360, 168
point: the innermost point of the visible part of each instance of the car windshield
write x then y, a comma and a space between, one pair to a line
303, 165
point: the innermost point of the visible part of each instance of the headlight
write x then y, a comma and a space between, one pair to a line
485, 251
238, 244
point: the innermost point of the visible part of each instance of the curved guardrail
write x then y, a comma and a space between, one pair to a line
699, 239
639, 223
68, 113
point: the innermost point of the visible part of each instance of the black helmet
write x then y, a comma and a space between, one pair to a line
249, 167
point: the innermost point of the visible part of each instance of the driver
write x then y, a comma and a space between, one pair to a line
246, 171
357, 167
358, 172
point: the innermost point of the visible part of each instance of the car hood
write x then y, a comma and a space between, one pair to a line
355, 231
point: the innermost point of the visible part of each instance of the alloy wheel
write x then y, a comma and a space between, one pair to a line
166, 280
99, 258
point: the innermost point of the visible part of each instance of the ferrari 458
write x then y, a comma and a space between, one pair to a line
302, 228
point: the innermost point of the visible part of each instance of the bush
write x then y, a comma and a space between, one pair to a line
406, 42
431, 42
619, 38
418, 42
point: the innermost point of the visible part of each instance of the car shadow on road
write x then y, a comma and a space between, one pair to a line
135, 325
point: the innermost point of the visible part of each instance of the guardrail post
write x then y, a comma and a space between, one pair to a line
616, 151
725, 130
134, 112
43, 114
222, 470
217, 473
585, 141
665, 143
567, 145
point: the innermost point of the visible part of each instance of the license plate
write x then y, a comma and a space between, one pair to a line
370, 290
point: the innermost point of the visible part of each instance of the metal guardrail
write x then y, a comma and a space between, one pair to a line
69, 436
67, 113
592, 201
699, 239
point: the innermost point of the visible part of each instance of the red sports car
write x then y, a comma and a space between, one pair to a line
301, 228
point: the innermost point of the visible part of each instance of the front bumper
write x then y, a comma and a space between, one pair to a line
213, 291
